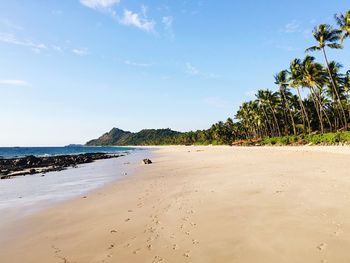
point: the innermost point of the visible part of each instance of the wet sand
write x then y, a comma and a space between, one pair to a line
202, 204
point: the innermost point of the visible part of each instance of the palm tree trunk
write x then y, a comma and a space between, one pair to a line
267, 120
276, 121
315, 101
323, 109
335, 90
290, 112
304, 113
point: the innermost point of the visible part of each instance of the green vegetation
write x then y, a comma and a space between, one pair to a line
219, 133
144, 137
313, 139
286, 114
280, 117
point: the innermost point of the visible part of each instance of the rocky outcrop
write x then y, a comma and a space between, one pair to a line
32, 164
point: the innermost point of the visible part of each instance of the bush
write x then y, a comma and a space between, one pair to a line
315, 139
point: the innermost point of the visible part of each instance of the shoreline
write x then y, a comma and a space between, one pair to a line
202, 204
62, 186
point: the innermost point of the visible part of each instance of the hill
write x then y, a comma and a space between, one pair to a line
118, 137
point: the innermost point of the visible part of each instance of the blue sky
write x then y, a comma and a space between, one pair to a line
71, 70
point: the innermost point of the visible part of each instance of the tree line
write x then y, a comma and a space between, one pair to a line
284, 112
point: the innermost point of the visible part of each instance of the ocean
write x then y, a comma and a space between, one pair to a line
26, 194
15, 152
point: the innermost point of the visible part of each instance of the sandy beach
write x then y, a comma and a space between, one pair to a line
202, 204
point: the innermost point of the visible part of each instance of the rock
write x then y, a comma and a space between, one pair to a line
147, 161
32, 164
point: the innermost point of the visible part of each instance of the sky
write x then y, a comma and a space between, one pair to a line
71, 70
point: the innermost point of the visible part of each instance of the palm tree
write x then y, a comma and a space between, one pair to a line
296, 81
281, 79
326, 36
313, 77
343, 20
346, 87
268, 99
334, 68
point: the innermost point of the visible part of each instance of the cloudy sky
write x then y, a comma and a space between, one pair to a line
71, 70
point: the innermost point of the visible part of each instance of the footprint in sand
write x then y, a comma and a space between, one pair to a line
322, 246
187, 254
195, 242
136, 251
111, 246
157, 259
175, 247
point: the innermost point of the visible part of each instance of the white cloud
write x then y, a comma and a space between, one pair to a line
80, 51
292, 27
168, 21
137, 64
99, 4
12, 39
191, 70
168, 26
57, 48
13, 82
140, 21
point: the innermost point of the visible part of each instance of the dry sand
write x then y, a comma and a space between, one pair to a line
203, 204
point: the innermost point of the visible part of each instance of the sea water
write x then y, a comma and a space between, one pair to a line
25, 194
14, 152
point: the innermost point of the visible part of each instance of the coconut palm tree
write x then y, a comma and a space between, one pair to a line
296, 81
343, 20
346, 87
313, 77
268, 99
281, 79
326, 36
334, 68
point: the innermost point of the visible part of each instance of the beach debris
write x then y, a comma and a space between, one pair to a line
146, 161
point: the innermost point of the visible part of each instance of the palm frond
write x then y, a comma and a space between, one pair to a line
311, 49
335, 46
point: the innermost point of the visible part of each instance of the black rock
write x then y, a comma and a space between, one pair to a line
146, 161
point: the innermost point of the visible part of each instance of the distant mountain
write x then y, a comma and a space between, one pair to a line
118, 137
